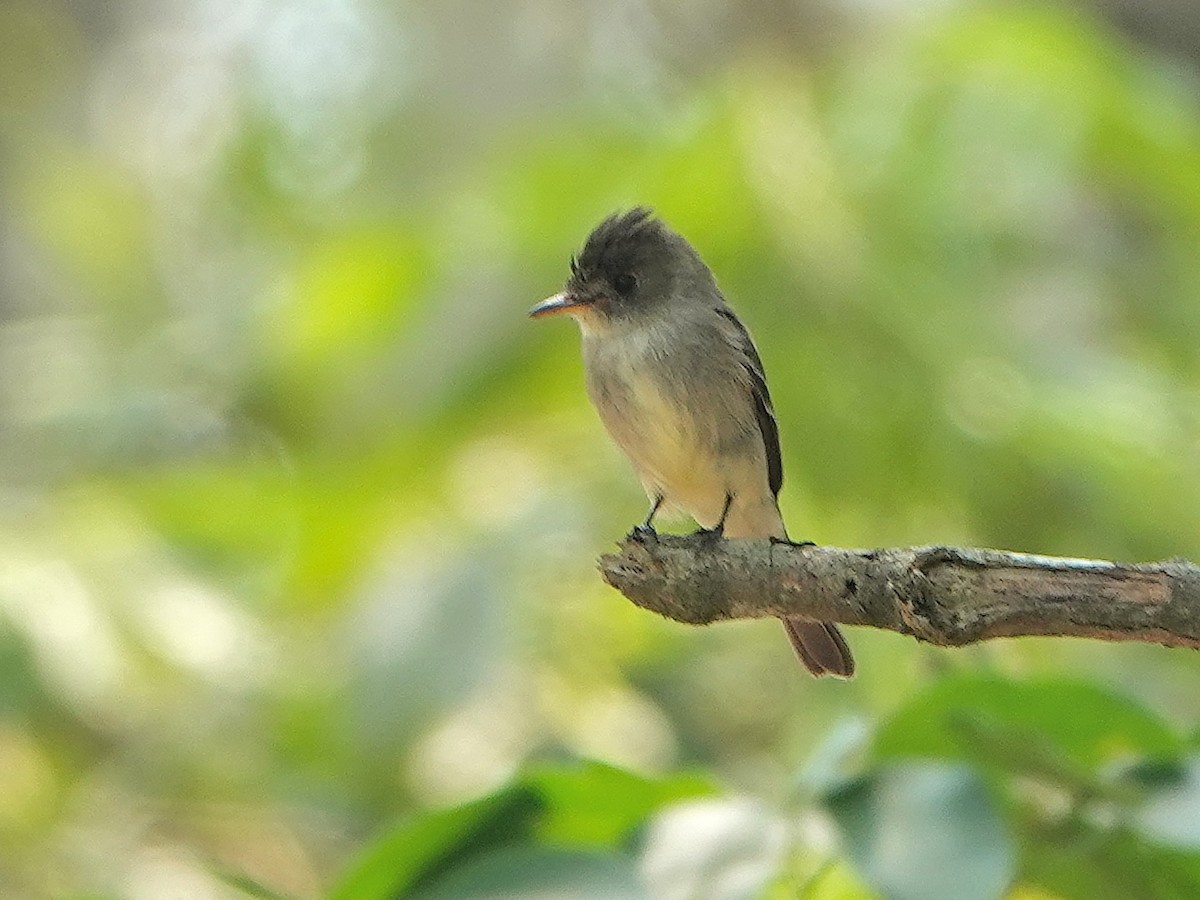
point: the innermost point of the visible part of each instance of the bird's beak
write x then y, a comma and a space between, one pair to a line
559, 303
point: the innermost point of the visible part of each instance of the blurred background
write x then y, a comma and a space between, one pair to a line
299, 513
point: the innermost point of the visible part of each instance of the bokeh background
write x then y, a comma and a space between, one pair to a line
298, 512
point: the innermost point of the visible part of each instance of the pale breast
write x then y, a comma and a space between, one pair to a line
656, 435
657, 401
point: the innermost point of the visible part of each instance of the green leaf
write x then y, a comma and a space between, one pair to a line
592, 804
1029, 753
426, 847
1077, 860
539, 873
1086, 723
245, 884
579, 805
925, 831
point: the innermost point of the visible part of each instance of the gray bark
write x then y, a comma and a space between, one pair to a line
944, 595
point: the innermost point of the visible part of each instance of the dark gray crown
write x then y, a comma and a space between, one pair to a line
624, 242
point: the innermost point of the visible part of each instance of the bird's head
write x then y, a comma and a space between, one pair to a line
630, 267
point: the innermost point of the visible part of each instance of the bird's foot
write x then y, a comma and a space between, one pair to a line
642, 533
709, 537
787, 542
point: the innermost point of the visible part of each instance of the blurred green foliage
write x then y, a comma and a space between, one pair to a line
298, 512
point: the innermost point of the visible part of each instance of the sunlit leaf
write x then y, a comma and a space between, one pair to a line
1170, 812
350, 292
729, 848
837, 756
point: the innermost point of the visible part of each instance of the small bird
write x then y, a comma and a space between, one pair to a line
679, 385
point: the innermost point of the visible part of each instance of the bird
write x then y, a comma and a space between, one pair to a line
679, 385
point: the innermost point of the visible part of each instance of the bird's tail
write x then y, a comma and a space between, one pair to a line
819, 645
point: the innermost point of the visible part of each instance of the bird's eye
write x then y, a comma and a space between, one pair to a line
625, 283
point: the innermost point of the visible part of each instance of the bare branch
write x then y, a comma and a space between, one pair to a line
944, 595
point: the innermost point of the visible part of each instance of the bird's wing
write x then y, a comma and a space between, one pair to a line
764, 412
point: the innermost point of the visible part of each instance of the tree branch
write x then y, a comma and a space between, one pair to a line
944, 595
